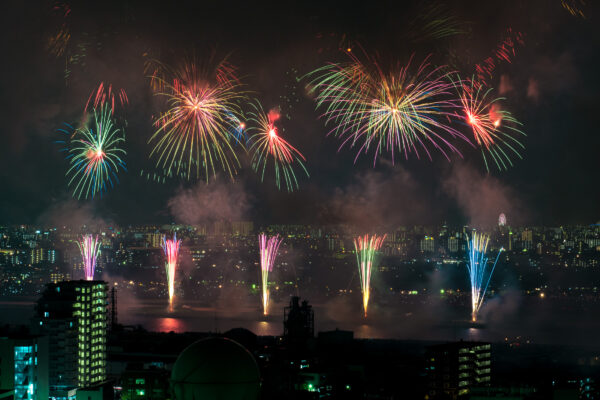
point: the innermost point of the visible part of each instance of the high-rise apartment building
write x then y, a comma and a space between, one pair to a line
73, 314
24, 366
454, 368
453, 244
427, 244
242, 228
527, 239
221, 228
57, 276
154, 239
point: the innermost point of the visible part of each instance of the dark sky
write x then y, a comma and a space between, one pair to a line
551, 86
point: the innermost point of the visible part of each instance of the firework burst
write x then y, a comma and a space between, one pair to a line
267, 144
89, 247
197, 130
402, 111
268, 247
366, 249
95, 155
495, 131
171, 250
479, 273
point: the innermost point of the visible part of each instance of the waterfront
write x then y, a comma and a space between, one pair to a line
529, 321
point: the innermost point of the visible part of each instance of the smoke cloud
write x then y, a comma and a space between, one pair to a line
377, 199
533, 91
505, 85
72, 213
498, 309
481, 197
552, 75
212, 202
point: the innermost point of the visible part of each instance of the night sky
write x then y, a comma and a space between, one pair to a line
551, 86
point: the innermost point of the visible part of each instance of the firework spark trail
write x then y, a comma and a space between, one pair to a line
105, 95
199, 126
495, 131
479, 274
89, 247
434, 21
504, 52
574, 7
171, 250
404, 111
267, 143
57, 44
366, 249
95, 155
268, 247
238, 129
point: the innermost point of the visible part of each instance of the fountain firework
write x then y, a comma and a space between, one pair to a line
89, 246
366, 249
268, 247
479, 274
171, 249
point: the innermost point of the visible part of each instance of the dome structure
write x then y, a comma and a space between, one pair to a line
215, 369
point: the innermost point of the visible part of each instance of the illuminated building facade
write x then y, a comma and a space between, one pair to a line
242, 228
427, 244
453, 243
454, 368
24, 366
144, 384
58, 276
527, 239
154, 239
73, 314
39, 255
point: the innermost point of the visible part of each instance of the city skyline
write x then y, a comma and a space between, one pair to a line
135, 254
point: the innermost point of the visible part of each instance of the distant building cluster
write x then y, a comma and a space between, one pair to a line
224, 254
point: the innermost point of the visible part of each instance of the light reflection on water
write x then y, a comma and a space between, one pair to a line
264, 328
210, 323
377, 327
475, 334
530, 322
170, 324
207, 323
366, 331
